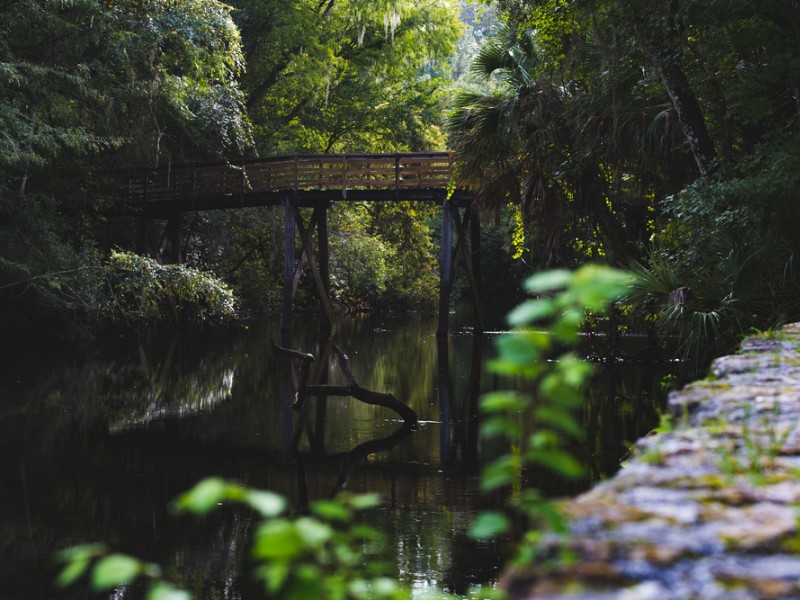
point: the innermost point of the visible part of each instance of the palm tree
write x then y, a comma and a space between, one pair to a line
570, 138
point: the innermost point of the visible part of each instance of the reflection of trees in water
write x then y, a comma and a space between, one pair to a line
438, 553
165, 390
61, 447
309, 383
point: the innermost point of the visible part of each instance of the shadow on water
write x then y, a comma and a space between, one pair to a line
95, 450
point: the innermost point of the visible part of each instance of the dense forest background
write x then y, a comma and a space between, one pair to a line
657, 135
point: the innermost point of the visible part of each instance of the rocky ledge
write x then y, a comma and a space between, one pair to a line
706, 508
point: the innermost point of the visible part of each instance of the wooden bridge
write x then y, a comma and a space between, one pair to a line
307, 179
313, 181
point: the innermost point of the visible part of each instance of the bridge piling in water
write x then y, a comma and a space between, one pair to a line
311, 181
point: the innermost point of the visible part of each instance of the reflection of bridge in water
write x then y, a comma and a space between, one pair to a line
307, 181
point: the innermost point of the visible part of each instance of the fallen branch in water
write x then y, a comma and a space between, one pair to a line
351, 389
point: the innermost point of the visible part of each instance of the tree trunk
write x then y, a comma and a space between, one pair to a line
689, 113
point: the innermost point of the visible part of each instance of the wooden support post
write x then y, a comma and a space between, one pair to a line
445, 267
468, 259
471, 403
445, 398
475, 246
327, 311
324, 254
288, 389
288, 262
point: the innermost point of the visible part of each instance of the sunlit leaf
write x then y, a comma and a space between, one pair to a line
331, 510
489, 525
81, 551
114, 570
164, 591
268, 504
204, 497
548, 281
313, 532
542, 439
384, 587
365, 501
573, 369
360, 588
504, 401
72, 571
277, 540
531, 311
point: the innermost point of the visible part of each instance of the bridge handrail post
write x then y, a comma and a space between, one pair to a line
396, 173
345, 174
296, 175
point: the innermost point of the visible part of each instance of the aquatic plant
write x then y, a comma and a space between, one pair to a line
544, 326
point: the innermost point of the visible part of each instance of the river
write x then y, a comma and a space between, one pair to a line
95, 444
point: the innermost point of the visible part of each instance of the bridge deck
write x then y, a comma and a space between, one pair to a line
310, 178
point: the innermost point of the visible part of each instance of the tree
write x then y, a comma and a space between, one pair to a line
86, 87
346, 75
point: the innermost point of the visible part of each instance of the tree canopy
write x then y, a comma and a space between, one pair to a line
625, 123
346, 75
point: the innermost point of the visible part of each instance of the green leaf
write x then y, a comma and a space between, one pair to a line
365, 501
359, 588
504, 401
81, 551
385, 587
367, 533
274, 575
557, 461
205, 496
268, 504
548, 281
306, 586
574, 370
531, 311
74, 569
505, 426
489, 525
568, 325
331, 510
164, 591
277, 540
499, 473
313, 532
561, 419
115, 570
542, 439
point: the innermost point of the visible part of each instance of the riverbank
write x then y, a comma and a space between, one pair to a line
706, 508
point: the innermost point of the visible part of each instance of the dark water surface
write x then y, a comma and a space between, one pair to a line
94, 448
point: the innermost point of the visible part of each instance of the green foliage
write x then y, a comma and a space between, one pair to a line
48, 275
543, 325
328, 555
707, 304
349, 75
86, 87
140, 289
153, 80
382, 257
107, 571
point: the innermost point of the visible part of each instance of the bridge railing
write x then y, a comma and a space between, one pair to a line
289, 175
